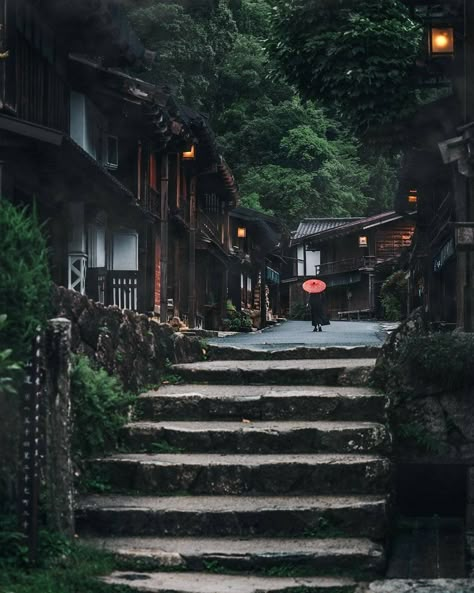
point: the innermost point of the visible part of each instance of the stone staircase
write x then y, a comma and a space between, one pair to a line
254, 476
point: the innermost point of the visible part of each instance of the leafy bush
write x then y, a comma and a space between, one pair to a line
25, 282
10, 370
236, 321
444, 360
299, 312
393, 296
100, 408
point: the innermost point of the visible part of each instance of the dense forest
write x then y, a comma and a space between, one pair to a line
292, 155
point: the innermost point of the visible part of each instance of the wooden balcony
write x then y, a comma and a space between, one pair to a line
209, 228
346, 265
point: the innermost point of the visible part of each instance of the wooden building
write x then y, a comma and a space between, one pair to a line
352, 255
437, 172
256, 244
134, 191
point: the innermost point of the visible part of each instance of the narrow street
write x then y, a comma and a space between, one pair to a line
300, 333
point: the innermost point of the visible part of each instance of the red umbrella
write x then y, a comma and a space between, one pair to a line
314, 286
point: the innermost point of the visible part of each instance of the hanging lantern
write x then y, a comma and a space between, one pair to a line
241, 232
189, 155
413, 196
363, 241
441, 41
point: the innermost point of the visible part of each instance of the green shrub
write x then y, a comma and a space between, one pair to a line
236, 321
393, 296
10, 371
444, 360
25, 282
100, 408
299, 312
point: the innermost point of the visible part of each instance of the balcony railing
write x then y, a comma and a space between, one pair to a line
122, 289
209, 227
346, 265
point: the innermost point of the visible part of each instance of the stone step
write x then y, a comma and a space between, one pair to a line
217, 516
260, 402
256, 437
256, 556
355, 372
240, 474
218, 583
217, 351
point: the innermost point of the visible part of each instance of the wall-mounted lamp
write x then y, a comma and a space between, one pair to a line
189, 155
413, 196
363, 241
241, 232
441, 41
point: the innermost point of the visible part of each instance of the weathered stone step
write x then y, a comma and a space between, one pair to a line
225, 352
239, 474
218, 583
310, 516
256, 437
260, 402
283, 372
313, 556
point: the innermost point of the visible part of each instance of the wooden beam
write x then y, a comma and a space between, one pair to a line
164, 239
192, 254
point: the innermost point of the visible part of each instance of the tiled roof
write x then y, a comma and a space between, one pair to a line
325, 228
313, 226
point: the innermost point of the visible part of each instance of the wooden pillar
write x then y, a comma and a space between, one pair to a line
469, 117
192, 254
263, 295
164, 240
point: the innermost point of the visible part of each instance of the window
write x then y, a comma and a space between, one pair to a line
111, 158
86, 124
125, 251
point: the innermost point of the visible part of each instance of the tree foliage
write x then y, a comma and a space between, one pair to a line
25, 282
289, 157
356, 56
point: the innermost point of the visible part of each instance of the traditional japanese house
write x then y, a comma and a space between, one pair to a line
256, 240
438, 169
66, 149
352, 255
132, 185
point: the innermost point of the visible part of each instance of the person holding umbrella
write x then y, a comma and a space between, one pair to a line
316, 288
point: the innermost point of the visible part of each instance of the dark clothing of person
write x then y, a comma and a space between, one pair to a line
316, 303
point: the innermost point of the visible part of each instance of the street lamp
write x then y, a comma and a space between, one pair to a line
441, 40
413, 196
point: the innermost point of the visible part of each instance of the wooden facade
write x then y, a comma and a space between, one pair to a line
133, 221
353, 256
254, 284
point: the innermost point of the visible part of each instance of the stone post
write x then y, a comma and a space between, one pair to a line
58, 467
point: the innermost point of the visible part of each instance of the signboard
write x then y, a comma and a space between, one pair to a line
464, 234
444, 254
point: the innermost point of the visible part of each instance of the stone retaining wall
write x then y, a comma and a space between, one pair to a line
134, 347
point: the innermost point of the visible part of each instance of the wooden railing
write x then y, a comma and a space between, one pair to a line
345, 265
122, 289
209, 227
151, 201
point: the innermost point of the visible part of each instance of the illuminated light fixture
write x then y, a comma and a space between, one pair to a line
412, 196
406, 237
363, 241
241, 232
441, 41
189, 155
